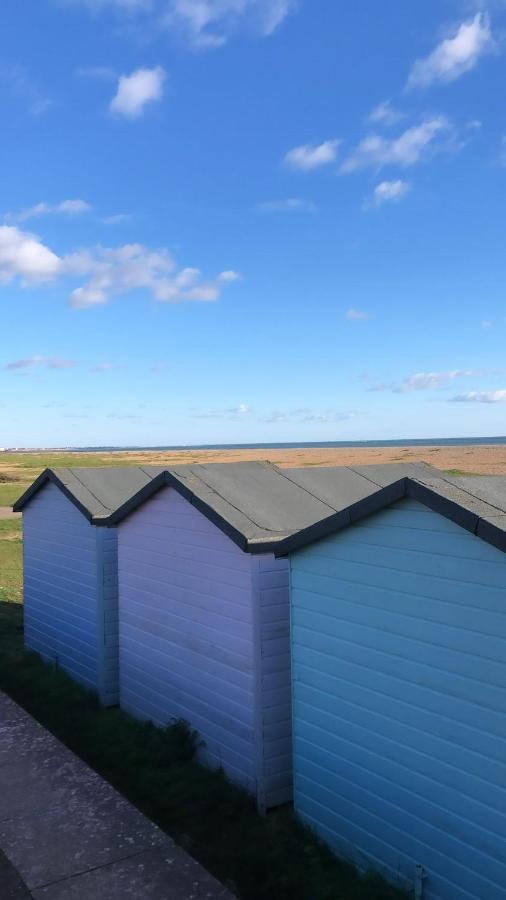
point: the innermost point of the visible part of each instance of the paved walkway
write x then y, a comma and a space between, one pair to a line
65, 834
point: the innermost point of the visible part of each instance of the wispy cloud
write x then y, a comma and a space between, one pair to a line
47, 362
306, 414
132, 267
290, 205
211, 23
117, 219
312, 156
384, 114
137, 91
232, 413
106, 271
356, 315
455, 55
66, 208
388, 191
405, 150
201, 23
20, 84
424, 381
480, 397
103, 367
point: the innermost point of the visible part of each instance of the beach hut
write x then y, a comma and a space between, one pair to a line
204, 606
398, 641
70, 569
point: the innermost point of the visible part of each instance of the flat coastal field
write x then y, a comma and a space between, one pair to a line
18, 470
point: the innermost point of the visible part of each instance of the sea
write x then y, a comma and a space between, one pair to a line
316, 445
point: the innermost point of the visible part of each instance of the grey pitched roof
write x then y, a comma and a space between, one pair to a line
476, 503
96, 491
264, 508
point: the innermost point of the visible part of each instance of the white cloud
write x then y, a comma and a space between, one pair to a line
480, 397
233, 413
66, 207
390, 190
210, 23
24, 256
136, 91
403, 151
455, 55
117, 219
48, 362
384, 114
228, 276
131, 267
106, 271
202, 23
306, 414
312, 156
291, 204
422, 381
356, 315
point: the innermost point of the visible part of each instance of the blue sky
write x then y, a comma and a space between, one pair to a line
251, 220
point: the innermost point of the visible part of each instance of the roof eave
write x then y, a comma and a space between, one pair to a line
46, 476
375, 502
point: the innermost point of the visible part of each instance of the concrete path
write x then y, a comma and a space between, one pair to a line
65, 834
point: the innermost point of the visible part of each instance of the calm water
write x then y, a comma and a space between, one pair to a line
422, 442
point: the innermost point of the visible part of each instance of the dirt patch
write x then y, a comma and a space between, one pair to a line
6, 513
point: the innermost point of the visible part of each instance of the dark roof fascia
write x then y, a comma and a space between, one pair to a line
169, 480
133, 503
233, 533
46, 476
484, 528
450, 509
361, 510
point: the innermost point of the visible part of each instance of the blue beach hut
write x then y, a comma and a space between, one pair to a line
398, 643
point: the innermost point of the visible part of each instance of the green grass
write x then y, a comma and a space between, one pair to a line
259, 858
10, 492
11, 560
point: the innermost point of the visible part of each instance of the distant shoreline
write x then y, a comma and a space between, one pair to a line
281, 445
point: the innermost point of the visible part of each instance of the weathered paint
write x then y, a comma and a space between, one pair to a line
70, 591
194, 643
399, 699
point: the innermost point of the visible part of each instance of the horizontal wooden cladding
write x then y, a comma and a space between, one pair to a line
399, 684
218, 567
189, 631
186, 629
274, 633
60, 584
348, 827
190, 588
